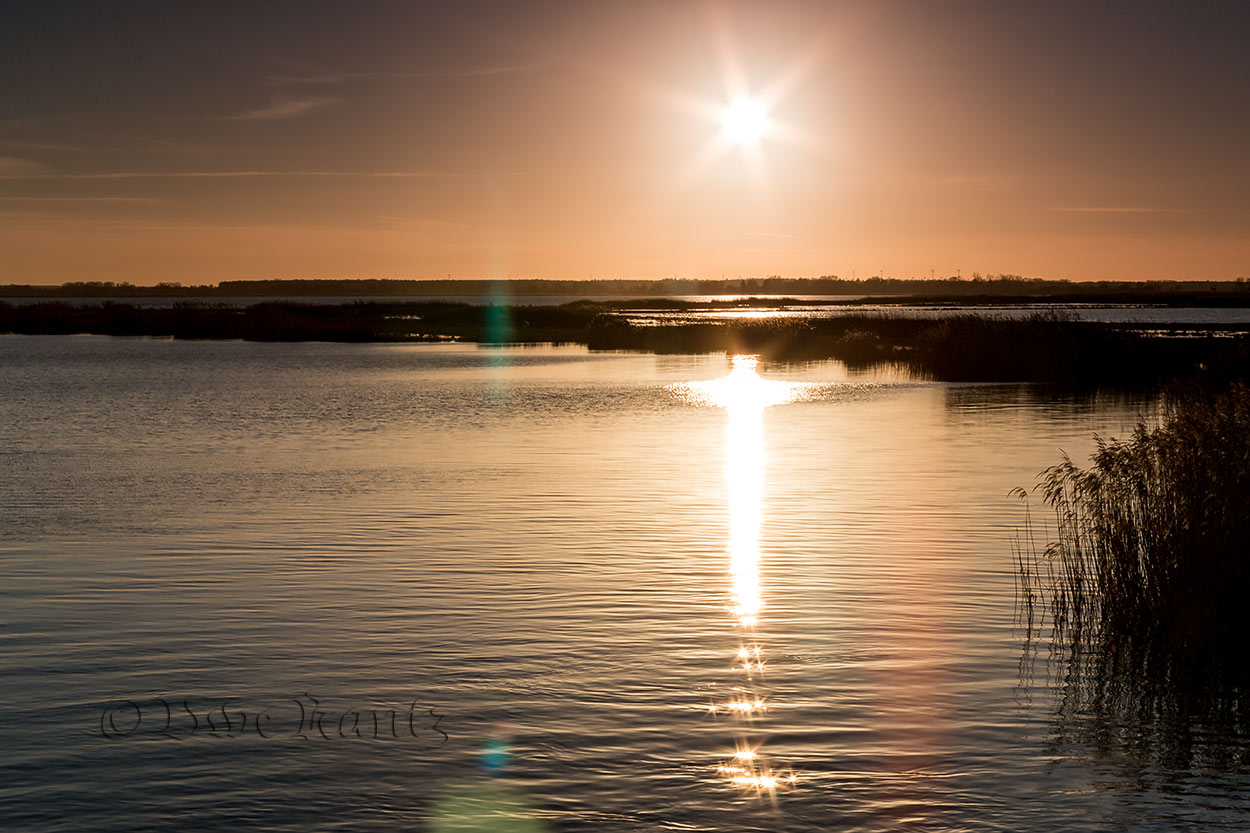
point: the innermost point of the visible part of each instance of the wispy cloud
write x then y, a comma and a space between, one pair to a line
36, 145
29, 121
462, 72
40, 200
284, 107
11, 166
40, 174
110, 142
1116, 209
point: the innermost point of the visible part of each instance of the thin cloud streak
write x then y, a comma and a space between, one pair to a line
11, 166
4, 198
344, 77
29, 121
54, 147
284, 107
1109, 209
236, 175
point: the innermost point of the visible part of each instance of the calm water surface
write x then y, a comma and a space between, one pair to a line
449, 588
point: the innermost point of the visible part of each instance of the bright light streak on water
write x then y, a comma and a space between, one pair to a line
744, 396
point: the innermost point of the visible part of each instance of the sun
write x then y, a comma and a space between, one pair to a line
745, 120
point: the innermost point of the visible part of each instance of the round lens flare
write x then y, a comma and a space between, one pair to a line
745, 120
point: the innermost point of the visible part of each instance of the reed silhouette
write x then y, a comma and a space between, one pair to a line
1144, 587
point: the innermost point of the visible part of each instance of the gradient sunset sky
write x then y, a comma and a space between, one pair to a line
199, 142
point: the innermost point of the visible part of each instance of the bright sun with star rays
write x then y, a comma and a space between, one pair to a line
749, 122
745, 120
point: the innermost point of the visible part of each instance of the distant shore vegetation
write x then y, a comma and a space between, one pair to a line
994, 286
1041, 346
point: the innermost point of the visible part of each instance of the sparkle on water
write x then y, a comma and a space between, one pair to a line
744, 395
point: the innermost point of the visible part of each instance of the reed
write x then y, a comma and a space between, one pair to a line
1146, 582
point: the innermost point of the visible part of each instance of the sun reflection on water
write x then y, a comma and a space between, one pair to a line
744, 395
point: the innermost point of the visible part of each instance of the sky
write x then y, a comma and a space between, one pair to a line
199, 142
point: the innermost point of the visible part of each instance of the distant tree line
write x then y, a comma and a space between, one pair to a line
982, 285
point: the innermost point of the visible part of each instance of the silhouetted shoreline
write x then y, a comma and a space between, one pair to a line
977, 289
1048, 346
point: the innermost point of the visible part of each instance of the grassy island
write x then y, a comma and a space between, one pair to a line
1041, 346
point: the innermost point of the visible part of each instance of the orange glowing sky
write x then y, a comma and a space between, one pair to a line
208, 142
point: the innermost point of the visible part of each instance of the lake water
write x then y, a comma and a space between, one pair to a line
396, 587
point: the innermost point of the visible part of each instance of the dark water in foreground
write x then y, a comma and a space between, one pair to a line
633, 600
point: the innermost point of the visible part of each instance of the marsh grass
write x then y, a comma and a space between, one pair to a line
1041, 347
1146, 585
1050, 347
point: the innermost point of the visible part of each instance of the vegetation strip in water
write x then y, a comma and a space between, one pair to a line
1043, 346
